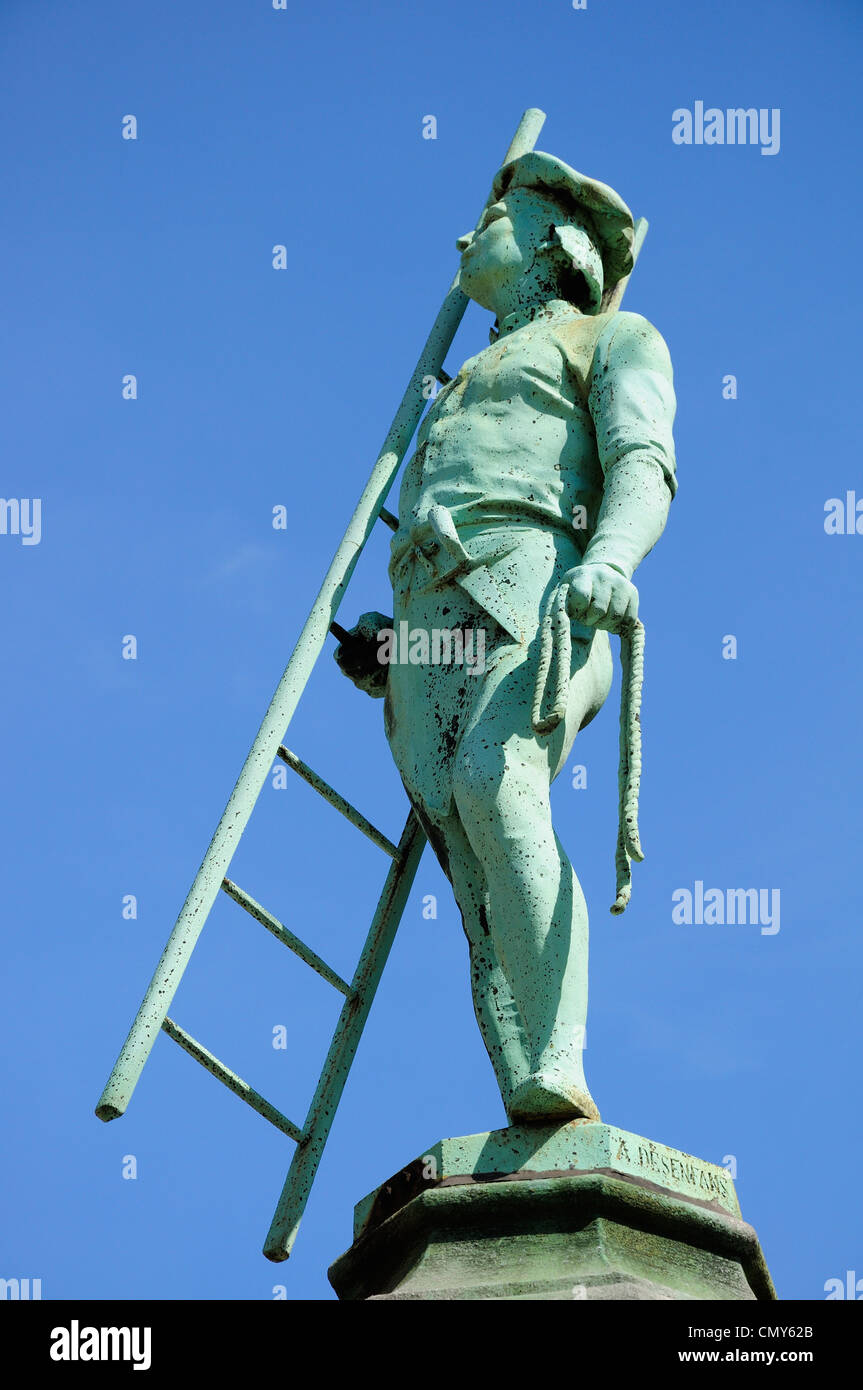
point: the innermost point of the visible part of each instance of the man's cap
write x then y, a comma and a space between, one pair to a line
609, 214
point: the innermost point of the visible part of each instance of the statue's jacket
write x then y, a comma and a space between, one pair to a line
512, 455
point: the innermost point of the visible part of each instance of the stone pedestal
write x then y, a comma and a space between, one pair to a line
582, 1210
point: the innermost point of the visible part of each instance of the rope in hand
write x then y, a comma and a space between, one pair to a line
556, 644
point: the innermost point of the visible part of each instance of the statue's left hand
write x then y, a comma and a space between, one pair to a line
358, 655
601, 597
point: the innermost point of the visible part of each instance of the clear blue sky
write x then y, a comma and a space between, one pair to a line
259, 388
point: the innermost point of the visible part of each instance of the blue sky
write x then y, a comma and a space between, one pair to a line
260, 387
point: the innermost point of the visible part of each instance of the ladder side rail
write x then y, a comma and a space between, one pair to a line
349, 1029
216, 861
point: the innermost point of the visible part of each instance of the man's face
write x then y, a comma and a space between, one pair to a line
505, 243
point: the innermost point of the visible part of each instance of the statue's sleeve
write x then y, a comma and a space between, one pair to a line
631, 395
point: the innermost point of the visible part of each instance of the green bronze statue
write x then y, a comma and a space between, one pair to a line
543, 475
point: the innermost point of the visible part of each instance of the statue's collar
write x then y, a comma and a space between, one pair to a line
550, 309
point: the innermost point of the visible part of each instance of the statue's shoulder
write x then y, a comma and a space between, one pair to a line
593, 343
588, 331
627, 339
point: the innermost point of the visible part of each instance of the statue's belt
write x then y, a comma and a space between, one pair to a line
436, 545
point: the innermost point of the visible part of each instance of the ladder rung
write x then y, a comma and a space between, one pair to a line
332, 796
234, 1083
287, 938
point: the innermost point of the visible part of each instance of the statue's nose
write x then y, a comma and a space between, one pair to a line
464, 242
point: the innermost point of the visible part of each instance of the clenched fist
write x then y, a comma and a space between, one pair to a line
601, 597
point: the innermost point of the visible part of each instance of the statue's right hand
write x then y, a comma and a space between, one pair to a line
357, 656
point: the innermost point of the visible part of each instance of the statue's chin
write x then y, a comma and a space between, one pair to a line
482, 301
475, 288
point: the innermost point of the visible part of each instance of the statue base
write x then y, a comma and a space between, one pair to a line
581, 1210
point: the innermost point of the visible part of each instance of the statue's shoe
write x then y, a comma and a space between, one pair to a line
549, 1097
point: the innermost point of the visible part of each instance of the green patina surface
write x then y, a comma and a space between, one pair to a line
520, 1153
507, 1219
543, 475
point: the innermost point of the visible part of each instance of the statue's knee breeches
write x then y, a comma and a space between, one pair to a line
501, 798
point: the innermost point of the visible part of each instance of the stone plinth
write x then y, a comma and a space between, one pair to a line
582, 1210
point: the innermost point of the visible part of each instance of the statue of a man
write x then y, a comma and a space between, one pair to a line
544, 468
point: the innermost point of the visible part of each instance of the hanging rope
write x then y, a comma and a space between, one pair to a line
555, 640
629, 766
555, 647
